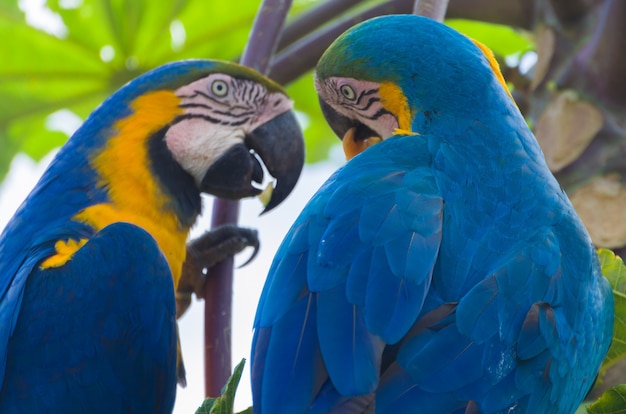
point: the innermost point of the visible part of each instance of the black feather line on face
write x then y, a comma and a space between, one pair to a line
378, 114
370, 102
176, 183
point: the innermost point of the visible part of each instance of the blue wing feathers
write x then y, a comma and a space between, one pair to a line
347, 260
286, 288
477, 312
290, 347
325, 269
530, 341
352, 353
30, 236
392, 303
356, 284
104, 324
329, 401
400, 396
340, 241
379, 220
499, 397
466, 303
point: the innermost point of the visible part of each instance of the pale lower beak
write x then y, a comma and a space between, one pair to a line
353, 148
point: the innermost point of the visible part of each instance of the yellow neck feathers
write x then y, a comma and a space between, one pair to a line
495, 67
392, 99
124, 170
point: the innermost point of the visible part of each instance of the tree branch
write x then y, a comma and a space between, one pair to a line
599, 65
434, 9
218, 293
218, 290
568, 11
265, 33
517, 13
314, 18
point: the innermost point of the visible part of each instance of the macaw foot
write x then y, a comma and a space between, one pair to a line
205, 252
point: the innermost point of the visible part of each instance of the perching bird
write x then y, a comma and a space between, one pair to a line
90, 261
442, 270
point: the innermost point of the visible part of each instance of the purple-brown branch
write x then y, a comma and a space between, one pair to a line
434, 9
516, 13
313, 19
265, 33
218, 290
599, 66
218, 293
568, 11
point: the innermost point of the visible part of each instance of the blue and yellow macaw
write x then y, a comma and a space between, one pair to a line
442, 270
90, 261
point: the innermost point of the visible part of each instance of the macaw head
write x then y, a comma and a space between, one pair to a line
403, 74
233, 121
197, 126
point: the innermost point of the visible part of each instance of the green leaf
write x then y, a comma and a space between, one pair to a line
59, 75
225, 402
106, 44
319, 136
614, 270
503, 40
613, 401
109, 42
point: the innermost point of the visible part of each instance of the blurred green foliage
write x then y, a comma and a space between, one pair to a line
96, 46
101, 45
503, 40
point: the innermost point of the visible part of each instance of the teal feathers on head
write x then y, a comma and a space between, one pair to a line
176, 74
427, 59
173, 75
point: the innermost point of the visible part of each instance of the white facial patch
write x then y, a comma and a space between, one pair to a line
196, 144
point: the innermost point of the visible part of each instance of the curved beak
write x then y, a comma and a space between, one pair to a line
278, 144
355, 136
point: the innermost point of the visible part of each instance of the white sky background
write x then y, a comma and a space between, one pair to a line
248, 281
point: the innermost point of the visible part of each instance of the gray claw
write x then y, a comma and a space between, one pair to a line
205, 252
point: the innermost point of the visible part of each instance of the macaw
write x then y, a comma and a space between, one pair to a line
441, 270
90, 261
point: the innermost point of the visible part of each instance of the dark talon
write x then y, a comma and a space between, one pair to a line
205, 252
255, 246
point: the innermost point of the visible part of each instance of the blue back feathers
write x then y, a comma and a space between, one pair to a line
94, 340
442, 272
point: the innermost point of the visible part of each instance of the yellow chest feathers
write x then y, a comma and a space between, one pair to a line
136, 197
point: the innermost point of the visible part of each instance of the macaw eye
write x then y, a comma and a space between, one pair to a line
219, 88
348, 92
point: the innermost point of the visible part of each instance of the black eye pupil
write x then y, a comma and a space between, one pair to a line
347, 92
219, 88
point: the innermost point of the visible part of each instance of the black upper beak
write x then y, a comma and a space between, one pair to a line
341, 124
279, 144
